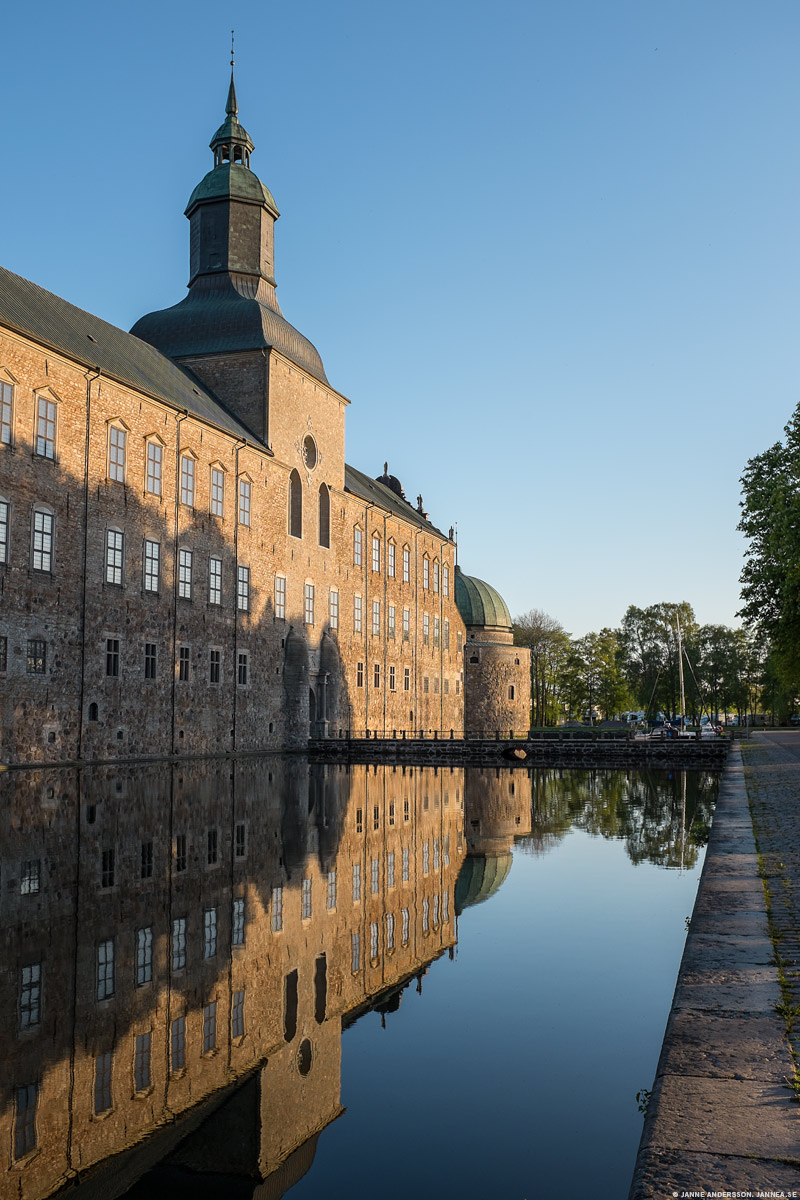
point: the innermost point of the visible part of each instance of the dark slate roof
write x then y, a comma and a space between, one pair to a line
479, 603
53, 322
377, 493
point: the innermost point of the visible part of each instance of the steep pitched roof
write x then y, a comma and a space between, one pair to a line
377, 493
29, 309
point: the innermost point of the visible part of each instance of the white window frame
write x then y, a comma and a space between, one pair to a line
188, 479
376, 618
308, 603
215, 580
358, 546
154, 467
6, 413
390, 559
376, 554
217, 493
358, 615
185, 573
117, 452
115, 556
406, 564
46, 426
243, 589
151, 566
280, 597
42, 540
5, 529
333, 608
245, 500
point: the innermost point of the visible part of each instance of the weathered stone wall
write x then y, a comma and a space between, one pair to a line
498, 683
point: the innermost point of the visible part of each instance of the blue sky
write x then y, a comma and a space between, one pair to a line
548, 250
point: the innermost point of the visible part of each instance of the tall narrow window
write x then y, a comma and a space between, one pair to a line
359, 674
436, 631
147, 861
152, 565
445, 581
426, 629
243, 589
426, 572
30, 994
179, 943
102, 1082
144, 956
390, 560
390, 621
355, 952
324, 515
244, 502
3, 654
112, 657
406, 564
6, 412
178, 1044
30, 877
376, 552
308, 599
243, 668
114, 556
406, 624
184, 664
45, 427
446, 633
240, 846
187, 480
209, 1027
237, 931
107, 868
305, 900
215, 581
276, 920
141, 1062
237, 1015
117, 440
4, 531
392, 679
390, 862
280, 597
404, 914
373, 940
406, 679
217, 492
105, 969
150, 660
376, 618
295, 505
357, 617
180, 852
25, 1119
209, 933
376, 675
185, 574
358, 538
155, 467
436, 576
331, 889
214, 667
42, 540
333, 608
212, 846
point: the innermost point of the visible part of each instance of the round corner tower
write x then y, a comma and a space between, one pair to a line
496, 672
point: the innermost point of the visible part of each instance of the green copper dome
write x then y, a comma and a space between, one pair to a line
479, 603
232, 181
481, 875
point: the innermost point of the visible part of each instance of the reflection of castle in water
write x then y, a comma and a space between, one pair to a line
181, 947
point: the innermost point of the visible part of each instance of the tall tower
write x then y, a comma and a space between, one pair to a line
230, 319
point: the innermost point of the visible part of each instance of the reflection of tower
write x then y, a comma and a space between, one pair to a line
497, 810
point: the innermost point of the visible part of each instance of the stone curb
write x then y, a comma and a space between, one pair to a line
722, 1114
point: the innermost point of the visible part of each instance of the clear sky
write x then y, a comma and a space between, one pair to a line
548, 250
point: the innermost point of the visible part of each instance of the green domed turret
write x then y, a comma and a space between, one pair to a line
480, 604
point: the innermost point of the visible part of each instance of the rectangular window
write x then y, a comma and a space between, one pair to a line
445, 914
390, 931
425, 858
280, 597
178, 1044
102, 1082
405, 926
333, 609
331, 889
390, 865
36, 657
376, 675
217, 492
390, 621
390, 563
42, 541
6, 402
116, 453
356, 881
357, 614
436, 631
29, 877
355, 952
308, 599
391, 817
240, 840
458, 640
436, 577
45, 427
237, 1015
357, 543
183, 663
212, 847
209, 1027
180, 852
436, 854
446, 687
426, 629
185, 574
215, 581
144, 956
426, 572
3, 531
374, 876
187, 480
276, 921
3, 654
445, 581
446, 631
243, 589
376, 553
25, 1119
244, 502
359, 674
107, 868
155, 464
30, 994
214, 667
152, 565
149, 660
426, 684
373, 939
405, 864
243, 668
406, 624
209, 933
392, 680
114, 556
305, 899
406, 679
376, 618
105, 969
141, 1062
146, 861
406, 564
179, 943
112, 657
237, 932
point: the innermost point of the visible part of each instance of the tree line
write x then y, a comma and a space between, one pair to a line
635, 667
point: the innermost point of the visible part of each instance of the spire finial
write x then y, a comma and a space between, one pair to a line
232, 108
386, 468
232, 58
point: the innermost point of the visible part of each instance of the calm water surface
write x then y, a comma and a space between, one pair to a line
276, 978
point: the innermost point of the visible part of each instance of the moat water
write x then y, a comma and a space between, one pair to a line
270, 977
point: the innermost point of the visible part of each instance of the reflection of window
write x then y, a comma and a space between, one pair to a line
30, 992
29, 877
102, 1082
305, 900
105, 969
141, 1062
356, 881
178, 1044
405, 926
36, 657
209, 933
390, 931
209, 1027
144, 956
355, 945
277, 909
373, 939
237, 1015
331, 889
237, 936
25, 1120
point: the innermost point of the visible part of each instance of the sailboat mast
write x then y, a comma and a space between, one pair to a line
680, 672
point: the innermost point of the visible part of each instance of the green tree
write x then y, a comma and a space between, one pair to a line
648, 642
549, 646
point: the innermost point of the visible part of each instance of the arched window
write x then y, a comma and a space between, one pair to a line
324, 515
295, 505
93, 711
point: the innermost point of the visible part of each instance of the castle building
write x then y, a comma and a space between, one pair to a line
187, 563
